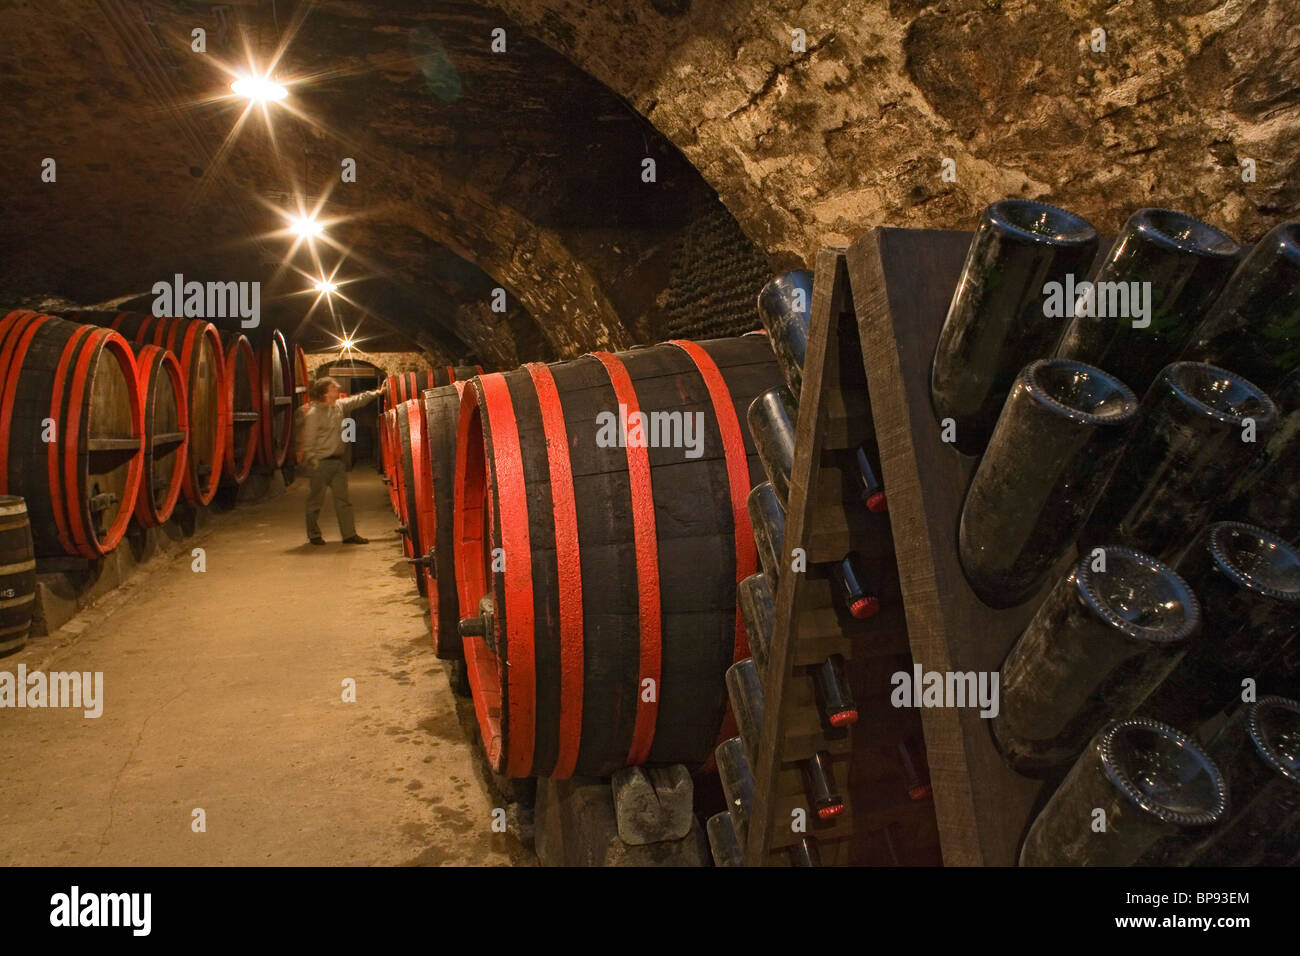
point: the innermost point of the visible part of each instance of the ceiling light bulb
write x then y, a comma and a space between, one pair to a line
306, 226
325, 286
347, 344
259, 89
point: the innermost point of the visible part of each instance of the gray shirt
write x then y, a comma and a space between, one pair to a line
320, 429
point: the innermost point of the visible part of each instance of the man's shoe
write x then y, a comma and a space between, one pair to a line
316, 540
356, 539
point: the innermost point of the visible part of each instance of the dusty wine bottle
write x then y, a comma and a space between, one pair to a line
1267, 493
1023, 510
1182, 263
771, 417
1106, 635
1248, 582
995, 323
1185, 453
737, 784
1144, 780
1258, 750
834, 696
767, 516
758, 610
1254, 326
784, 305
819, 786
745, 691
723, 842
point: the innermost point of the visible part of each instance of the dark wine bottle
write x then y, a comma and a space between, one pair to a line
1254, 326
758, 609
852, 586
1267, 494
1248, 583
819, 786
915, 772
806, 853
1258, 750
767, 517
784, 306
737, 784
771, 417
745, 691
1152, 785
873, 489
891, 844
723, 842
834, 696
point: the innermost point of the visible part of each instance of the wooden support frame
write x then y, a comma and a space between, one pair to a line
903, 282
834, 415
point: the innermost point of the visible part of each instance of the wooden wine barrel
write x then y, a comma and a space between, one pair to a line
17, 574
410, 422
276, 400
71, 431
614, 596
387, 430
441, 413
166, 434
243, 406
197, 348
405, 386
300, 378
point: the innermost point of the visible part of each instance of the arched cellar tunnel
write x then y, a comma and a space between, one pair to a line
533, 208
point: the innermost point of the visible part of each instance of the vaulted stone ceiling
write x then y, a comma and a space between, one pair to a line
520, 169
474, 170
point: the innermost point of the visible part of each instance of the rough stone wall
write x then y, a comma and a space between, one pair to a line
811, 149
716, 277
392, 363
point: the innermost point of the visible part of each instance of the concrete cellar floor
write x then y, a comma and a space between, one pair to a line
223, 691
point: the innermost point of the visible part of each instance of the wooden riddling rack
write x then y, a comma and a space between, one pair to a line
881, 825
903, 281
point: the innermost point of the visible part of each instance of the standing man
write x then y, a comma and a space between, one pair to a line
320, 449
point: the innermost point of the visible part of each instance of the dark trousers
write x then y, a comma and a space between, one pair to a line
331, 473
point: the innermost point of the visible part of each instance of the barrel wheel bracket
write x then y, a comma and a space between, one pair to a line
428, 561
483, 625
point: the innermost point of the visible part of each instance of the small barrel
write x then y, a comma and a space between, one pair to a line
166, 434
243, 403
600, 507
197, 348
17, 574
71, 431
275, 400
